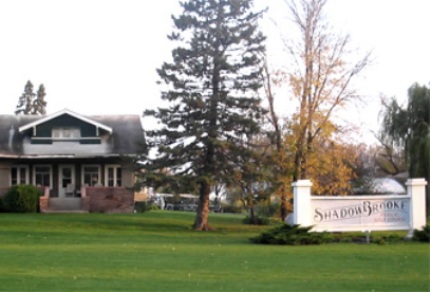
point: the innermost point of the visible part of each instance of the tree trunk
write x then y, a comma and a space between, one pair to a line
284, 211
201, 221
278, 142
252, 218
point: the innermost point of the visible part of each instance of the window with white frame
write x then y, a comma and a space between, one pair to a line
19, 175
66, 133
91, 175
113, 175
42, 175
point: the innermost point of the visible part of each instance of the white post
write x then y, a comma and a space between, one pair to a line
417, 193
302, 203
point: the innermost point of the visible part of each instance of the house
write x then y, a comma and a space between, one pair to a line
72, 156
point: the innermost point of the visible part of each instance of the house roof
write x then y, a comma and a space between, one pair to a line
60, 113
125, 132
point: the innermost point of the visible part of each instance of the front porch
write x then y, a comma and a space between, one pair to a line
65, 205
49, 204
92, 200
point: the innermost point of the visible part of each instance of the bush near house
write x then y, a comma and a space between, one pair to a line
21, 199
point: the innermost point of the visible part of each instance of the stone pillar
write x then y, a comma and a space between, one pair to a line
302, 203
417, 193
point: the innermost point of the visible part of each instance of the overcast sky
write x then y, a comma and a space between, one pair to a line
100, 56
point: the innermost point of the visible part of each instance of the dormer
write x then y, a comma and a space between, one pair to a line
65, 127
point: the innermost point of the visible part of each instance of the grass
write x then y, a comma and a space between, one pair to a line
158, 251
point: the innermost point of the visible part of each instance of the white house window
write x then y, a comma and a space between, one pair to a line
66, 133
19, 175
43, 175
91, 175
113, 175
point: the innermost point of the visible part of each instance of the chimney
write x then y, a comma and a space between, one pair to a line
11, 134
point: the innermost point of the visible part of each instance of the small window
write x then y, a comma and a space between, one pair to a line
66, 133
91, 175
19, 175
43, 175
113, 175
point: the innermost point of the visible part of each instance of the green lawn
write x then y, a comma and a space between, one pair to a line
158, 251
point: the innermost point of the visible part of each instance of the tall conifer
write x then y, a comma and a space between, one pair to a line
25, 101
39, 104
30, 103
211, 87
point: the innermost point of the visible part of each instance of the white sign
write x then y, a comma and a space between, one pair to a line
375, 213
361, 213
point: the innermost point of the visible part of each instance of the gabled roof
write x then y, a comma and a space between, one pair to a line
125, 133
64, 112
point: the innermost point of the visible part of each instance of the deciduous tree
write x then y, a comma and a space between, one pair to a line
278, 158
319, 76
320, 81
408, 129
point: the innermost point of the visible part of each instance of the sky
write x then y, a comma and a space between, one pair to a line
101, 56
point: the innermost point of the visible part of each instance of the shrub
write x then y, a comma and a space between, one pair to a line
257, 220
2, 207
422, 235
144, 206
22, 199
232, 209
292, 235
271, 210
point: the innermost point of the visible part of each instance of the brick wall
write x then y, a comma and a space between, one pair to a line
110, 199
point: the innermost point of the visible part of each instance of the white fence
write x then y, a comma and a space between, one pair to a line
361, 213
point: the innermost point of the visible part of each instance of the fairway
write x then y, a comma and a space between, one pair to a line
158, 251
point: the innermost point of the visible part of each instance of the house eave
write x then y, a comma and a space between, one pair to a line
62, 156
65, 111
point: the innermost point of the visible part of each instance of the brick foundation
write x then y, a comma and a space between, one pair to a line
109, 199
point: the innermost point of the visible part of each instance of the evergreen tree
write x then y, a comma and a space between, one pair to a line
31, 104
39, 104
212, 88
25, 102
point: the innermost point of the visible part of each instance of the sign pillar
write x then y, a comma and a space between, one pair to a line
302, 203
417, 193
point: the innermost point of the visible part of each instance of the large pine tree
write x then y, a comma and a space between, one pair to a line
211, 87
